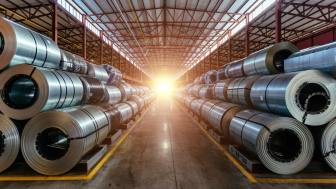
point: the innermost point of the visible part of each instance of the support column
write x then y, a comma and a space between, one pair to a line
229, 44
278, 21
210, 60
112, 55
84, 37
217, 55
120, 61
54, 21
247, 37
101, 56
204, 65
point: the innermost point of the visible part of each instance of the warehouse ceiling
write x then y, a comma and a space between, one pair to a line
168, 36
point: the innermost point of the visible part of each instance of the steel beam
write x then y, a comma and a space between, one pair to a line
84, 37
278, 21
54, 21
247, 37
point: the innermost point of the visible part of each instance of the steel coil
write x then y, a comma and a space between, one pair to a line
114, 75
283, 144
189, 100
112, 94
28, 90
138, 100
72, 63
125, 111
125, 92
198, 80
94, 90
20, 45
269, 60
209, 77
145, 89
221, 114
196, 89
210, 90
239, 90
97, 72
53, 142
112, 114
307, 96
134, 107
222, 72
236, 69
9, 140
206, 107
197, 106
202, 93
220, 89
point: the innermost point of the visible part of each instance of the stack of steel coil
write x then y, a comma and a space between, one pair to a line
97, 72
113, 115
114, 75
72, 63
94, 90
125, 92
125, 111
112, 94
138, 100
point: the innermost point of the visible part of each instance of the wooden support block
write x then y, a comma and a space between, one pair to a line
135, 117
197, 118
88, 161
113, 137
218, 136
246, 159
126, 125
191, 113
206, 125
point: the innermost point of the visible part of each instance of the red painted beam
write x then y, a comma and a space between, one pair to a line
278, 21
84, 37
54, 21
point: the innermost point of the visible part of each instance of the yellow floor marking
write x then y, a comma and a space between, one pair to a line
248, 175
76, 177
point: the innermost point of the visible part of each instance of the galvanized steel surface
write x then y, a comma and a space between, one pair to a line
72, 63
112, 94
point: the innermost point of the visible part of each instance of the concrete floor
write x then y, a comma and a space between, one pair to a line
165, 150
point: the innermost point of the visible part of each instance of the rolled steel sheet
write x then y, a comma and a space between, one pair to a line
307, 96
28, 90
9, 140
197, 106
236, 69
134, 107
112, 94
198, 80
240, 88
141, 91
125, 111
138, 100
114, 75
206, 107
196, 89
222, 72
269, 60
125, 91
20, 45
220, 89
97, 72
113, 115
53, 142
202, 93
72, 63
189, 100
209, 77
283, 145
145, 89
94, 90
189, 89
133, 90
210, 90
221, 114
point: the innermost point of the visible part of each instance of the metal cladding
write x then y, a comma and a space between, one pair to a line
125, 91
112, 94
269, 60
20, 45
221, 114
307, 96
29, 90
196, 89
114, 75
239, 90
209, 77
9, 140
220, 89
206, 107
125, 111
222, 72
72, 63
325, 137
138, 100
283, 145
97, 72
188, 100
94, 91
53, 142
319, 58
236, 70
112, 114
134, 107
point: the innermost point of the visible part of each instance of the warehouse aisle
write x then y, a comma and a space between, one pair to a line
167, 149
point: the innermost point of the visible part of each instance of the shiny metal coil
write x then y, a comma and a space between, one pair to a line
196, 89
138, 100
72, 63
9, 140
307, 96
112, 94
112, 114
189, 100
196, 106
222, 72
114, 75
189, 89
125, 111
125, 91
221, 114
206, 107
239, 90
97, 72
236, 69
269, 60
134, 107
145, 89
220, 89
210, 91
202, 93
28, 90
209, 77
283, 145
141, 91
198, 80
53, 142
20, 45
319, 58
94, 90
